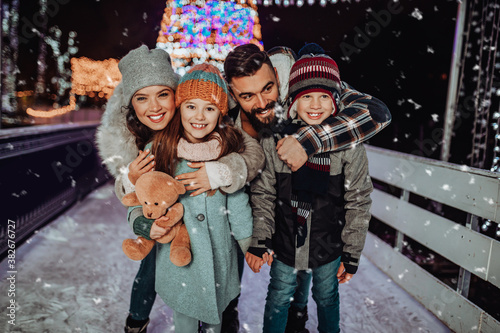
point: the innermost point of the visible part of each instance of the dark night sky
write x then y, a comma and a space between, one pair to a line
405, 63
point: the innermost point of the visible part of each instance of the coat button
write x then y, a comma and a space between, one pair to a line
200, 217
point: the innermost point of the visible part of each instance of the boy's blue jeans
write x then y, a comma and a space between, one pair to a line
143, 293
282, 288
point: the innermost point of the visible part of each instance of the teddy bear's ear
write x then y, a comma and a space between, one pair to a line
130, 200
179, 187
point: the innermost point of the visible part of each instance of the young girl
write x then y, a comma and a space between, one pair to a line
198, 131
142, 104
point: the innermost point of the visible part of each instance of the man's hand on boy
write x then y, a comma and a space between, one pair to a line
196, 181
291, 152
342, 275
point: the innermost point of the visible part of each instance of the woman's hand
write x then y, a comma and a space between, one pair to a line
255, 263
196, 181
142, 164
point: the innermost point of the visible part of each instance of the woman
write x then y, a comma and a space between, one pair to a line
142, 104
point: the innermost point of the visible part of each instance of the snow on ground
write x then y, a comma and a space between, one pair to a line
72, 276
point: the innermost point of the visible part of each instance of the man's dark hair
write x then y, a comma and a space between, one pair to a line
245, 60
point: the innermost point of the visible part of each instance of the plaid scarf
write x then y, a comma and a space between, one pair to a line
311, 179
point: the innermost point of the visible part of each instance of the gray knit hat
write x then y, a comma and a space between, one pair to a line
143, 67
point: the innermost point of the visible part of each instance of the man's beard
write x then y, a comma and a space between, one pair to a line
270, 121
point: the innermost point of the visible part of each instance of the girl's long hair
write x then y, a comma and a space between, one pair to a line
165, 141
141, 132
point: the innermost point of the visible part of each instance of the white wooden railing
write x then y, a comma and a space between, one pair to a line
474, 191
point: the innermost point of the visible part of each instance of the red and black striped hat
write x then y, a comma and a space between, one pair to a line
313, 73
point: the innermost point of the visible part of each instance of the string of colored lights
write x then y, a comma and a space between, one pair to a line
197, 31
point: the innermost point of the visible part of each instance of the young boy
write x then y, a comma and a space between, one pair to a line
315, 219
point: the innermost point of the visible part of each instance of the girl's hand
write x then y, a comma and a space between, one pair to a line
157, 231
268, 257
255, 263
196, 181
142, 164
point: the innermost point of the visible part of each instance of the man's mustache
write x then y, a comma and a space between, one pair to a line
269, 106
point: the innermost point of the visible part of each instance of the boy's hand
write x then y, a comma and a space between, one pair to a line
342, 275
157, 231
255, 263
291, 152
197, 181
142, 164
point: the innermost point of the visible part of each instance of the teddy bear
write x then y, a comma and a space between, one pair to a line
158, 192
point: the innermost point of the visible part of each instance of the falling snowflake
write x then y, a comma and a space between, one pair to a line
430, 49
429, 172
489, 201
464, 168
369, 301
97, 300
446, 187
224, 210
435, 117
480, 269
417, 106
417, 14
402, 275
275, 18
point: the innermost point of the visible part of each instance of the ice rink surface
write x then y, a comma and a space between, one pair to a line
72, 276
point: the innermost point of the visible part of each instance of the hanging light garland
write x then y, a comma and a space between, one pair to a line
89, 78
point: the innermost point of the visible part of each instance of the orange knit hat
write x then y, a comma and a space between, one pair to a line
205, 82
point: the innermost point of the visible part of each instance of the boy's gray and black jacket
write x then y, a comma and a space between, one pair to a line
337, 224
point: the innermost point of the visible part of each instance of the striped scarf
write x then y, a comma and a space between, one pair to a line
310, 180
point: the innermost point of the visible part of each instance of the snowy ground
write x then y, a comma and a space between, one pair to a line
73, 277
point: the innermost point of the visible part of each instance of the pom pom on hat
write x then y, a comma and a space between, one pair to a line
143, 67
313, 74
311, 48
205, 82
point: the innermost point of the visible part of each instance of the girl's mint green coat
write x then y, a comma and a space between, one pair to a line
204, 288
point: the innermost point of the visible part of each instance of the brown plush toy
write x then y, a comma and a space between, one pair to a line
158, 192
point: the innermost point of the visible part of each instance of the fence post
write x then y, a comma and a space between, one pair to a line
405, 196
464, 275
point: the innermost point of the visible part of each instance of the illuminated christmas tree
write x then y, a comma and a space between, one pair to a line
193, 32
